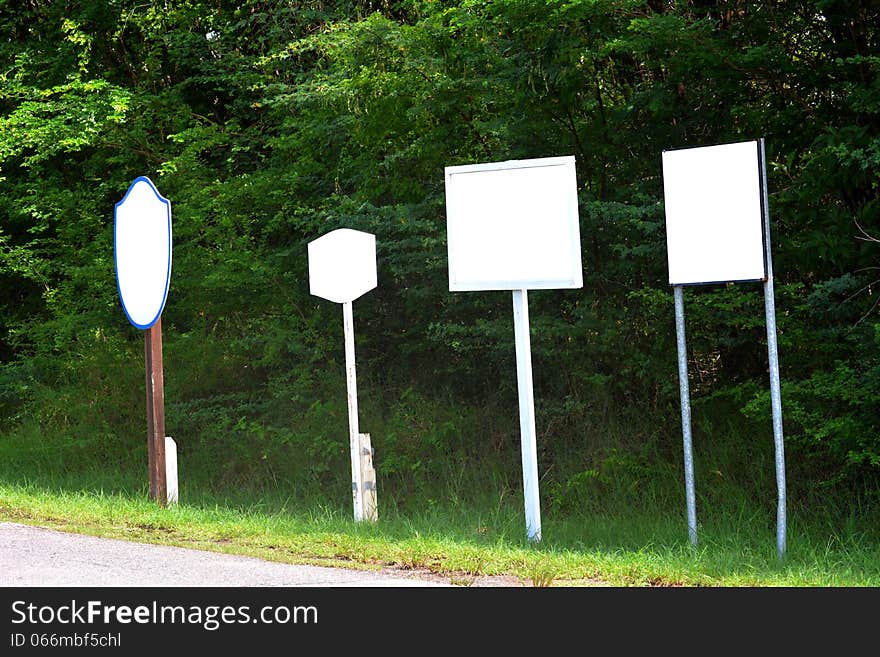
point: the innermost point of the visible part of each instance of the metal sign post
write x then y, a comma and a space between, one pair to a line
514, 226
357, 479
527, 414
342, 267
718, 230
773, 358
684, 391
142, 255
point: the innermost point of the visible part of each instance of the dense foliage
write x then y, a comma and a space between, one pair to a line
268, 124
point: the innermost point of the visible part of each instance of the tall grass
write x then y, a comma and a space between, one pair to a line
476, 533
450, 498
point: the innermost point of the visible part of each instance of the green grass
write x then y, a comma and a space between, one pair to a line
613, 513
459, 541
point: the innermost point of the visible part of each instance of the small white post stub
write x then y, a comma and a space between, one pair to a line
171, 470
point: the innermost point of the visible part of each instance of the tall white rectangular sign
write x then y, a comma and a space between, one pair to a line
718, 230
714, 217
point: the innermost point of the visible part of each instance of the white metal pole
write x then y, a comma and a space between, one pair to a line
773, 356
357, 479
684, 391
527, 414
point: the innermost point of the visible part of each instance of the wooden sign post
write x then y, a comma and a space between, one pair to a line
142, 253
156, 412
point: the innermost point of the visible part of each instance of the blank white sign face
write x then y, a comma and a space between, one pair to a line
513, 225
342, 265
142, 251
714, 219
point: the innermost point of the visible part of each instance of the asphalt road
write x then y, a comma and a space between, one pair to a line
36, 556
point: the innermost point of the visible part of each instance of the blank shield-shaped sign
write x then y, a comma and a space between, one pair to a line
142, 251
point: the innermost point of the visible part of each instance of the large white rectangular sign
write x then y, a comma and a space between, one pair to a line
714, 214
513, 225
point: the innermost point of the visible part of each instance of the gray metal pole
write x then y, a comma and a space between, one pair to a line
684, 391
357, 479
776, 403
773, 355
527, 414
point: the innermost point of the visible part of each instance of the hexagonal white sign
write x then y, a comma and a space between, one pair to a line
142, 252
342, 265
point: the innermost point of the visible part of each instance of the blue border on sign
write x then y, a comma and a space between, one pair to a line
115, 252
